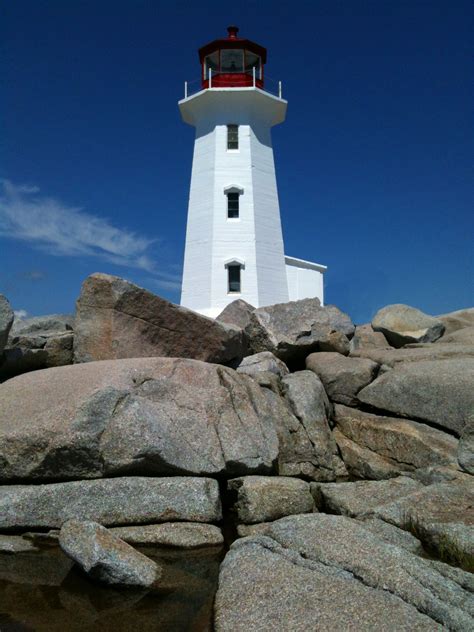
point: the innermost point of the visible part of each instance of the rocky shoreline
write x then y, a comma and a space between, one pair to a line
343, 455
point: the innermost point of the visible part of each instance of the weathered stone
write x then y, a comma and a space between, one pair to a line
135, 416
439, 474
116, 319
402, 445
260, 528
361, 498
441, 516
43, 326
366, 338
335, 341
457, 320
392, 534
6, 321
466, 446
307, 447
15, 544
463, 336
333, 573
263, 498
440, 392
114, 501
182, 535
264, 361
363, 463
415, 353
342, 377
105, 557
401, 324
293, 330
236, 313
26, 354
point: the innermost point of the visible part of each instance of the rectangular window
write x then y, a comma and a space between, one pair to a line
234, 278
232, 60
233, 205
232, 136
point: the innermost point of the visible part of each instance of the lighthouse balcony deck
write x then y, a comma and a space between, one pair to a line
233, 80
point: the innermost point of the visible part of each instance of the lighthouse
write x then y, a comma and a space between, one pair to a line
234, 243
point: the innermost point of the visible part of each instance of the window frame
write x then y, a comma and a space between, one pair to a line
234, 266
232, 136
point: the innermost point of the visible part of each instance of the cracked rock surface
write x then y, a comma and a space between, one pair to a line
141, 416
337, 575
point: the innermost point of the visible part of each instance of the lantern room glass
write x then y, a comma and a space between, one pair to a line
232, 60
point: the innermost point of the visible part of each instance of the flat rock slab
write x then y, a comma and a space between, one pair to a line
264, 498
342, 377
15, 544
402, 324
440, 392
361, 498
140, 416
415, 353
457, 320
182, 535
105, 557
375, 446
117, 319
337, 575
463, 336
116, 501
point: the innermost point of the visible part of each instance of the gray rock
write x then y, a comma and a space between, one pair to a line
390, 358
342, 377
361, 498
182, 535
457, 320
236, 313
262, 362
116, 319
393, 535
43, 326
307, 447
366, 338
293, 330
25, 354
335, 341
264, 498
466, 446
401, 324
333, 573
389, 445
105, 557
6, 321
463, 336
15, 544
135, 416
260, 528
115, 501
441, 516
438, 392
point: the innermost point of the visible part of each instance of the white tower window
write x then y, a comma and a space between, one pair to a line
234, 276
232, 136
233, 272
233, 194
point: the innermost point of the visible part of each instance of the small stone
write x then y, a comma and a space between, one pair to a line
105, 557
15, 544
402, 324
265, 362
264, 498
182, 535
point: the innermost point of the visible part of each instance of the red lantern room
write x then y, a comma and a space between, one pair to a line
232, 62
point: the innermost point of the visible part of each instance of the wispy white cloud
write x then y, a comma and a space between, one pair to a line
20, 314
62, 230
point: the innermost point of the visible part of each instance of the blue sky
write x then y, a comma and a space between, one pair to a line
374, 162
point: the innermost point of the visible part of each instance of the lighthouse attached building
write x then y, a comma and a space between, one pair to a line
234, 243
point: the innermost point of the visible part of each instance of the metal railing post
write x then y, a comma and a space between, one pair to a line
279, 89
253, 72
210, 77
185, 89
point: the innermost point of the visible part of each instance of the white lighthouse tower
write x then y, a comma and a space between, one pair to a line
234, 244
